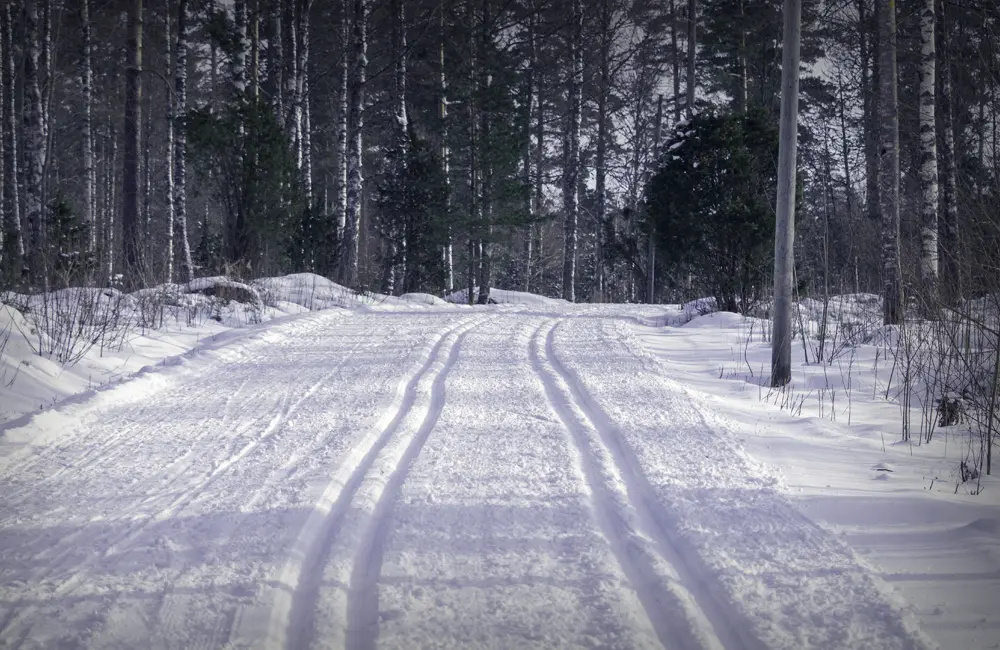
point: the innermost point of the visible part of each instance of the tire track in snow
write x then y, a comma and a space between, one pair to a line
291, 620
362, 604
607, 464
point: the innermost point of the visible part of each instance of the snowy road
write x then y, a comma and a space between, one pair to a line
450, 478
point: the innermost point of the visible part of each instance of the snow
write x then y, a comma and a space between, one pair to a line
505, 296
352, 471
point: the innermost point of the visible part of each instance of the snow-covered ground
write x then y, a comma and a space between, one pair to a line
399, 473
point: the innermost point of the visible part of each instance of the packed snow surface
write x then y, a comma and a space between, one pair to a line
421, 476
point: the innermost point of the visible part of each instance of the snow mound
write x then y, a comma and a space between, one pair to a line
308, 290
507, 297
423, 299
719, 319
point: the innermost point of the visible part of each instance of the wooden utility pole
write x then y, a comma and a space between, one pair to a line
784, 233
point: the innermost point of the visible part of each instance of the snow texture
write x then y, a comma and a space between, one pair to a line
414, 476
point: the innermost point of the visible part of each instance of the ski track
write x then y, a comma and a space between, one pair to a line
512, 477
686, 602
292, 616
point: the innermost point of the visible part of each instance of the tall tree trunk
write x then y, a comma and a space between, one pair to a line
537, 185
529, 110
276, 60
34, 141
290, 43
651, 234
951, 270
601, 162
340, 182
131, 244
238, 64
892, 283
675, 60
928, 160
87, 90
13, 253
446, 253
692, 46
571, 151
475, 206
180, 141
486, 144
253, 27
784, 234
110, 202
303, 125
870, 48
169, 194
356, 127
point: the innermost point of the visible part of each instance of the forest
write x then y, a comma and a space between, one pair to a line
594, 150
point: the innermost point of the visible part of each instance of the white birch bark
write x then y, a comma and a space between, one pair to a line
180, 141
340, 184
928, 156
34, 139
87, 90
169, 197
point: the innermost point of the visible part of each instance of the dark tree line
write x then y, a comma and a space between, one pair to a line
425, 145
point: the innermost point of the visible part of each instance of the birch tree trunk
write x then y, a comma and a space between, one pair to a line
928, 160
676, 61
692, 47
238, 66
34, 141
870, 48
486, 166
293, 115
447, 254
340, 183
180, 141
13, 252
171, 211
131, 245
571, 151
529, 111
87, 90
356, 127
892, 289
303, 118
784, 234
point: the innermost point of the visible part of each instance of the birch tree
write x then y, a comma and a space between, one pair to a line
692, 50
180, 141
928, 158
784, 235
87, 90
340, 155
892, 289
34, 139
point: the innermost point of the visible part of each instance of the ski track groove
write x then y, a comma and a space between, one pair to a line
292, 617
362, 604
279, 416
642, 497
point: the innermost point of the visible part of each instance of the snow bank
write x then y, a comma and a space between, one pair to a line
506, 297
